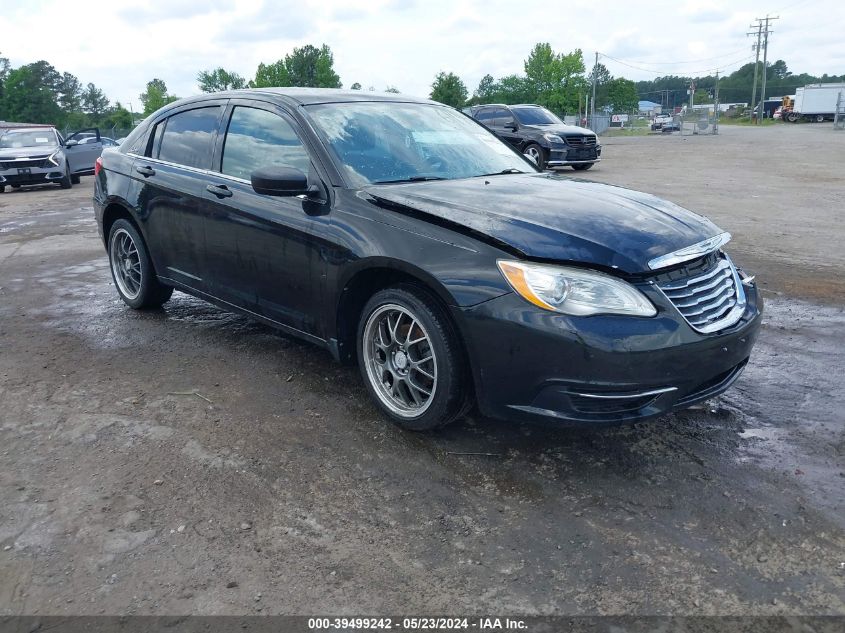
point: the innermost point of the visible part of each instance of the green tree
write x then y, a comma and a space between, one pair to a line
155, 96
94, 102
312, 67
273, 75
30, 94
622, 95
601, 76
5, 67
512, 89
486, 89
219, 79
555, 80
355, 86
118, 117
449, 89
70, 94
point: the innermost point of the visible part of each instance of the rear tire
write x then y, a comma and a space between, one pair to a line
2, 188
132, 270
819, 118
583, 167
66, 183
411, 359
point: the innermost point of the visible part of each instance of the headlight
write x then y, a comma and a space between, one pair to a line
553, 138
54, 157
574, 291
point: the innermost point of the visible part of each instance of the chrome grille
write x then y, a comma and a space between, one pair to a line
35, 162
581, 141
710, 299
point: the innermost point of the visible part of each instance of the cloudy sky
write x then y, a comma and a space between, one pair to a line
120, 45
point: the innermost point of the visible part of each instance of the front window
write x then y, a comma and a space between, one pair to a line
258, 138
382, 142
14, 139
535, 115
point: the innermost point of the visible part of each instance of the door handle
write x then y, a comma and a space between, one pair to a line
221, 191
145, 170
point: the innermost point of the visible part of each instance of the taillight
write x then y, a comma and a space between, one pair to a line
98, 165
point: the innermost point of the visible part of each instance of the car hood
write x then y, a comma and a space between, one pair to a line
555, 218
561, 128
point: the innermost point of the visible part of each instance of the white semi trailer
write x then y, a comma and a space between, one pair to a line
816, 102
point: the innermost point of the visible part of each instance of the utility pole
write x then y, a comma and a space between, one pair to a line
766, 32
756, 47
716, 109
593, 111
763, 32
691, 96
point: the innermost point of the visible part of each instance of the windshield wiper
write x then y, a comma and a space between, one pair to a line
410, 179
509, 170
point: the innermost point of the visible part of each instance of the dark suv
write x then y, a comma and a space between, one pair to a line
404, 236
540, 135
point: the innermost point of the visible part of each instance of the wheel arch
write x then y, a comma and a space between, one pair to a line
114, 211
367, 279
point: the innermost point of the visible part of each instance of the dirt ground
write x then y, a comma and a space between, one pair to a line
277, 488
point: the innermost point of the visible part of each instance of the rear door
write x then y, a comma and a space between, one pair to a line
263, 252
82, 156
503, 123
170, 186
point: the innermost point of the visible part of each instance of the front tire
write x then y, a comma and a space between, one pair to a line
411, 360
75, 179
66, 182
582, 167
132, 270
535, 152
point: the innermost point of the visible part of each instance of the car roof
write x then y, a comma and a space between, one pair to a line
311, 96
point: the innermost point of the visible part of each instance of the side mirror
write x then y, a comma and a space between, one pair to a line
71, 142
281, 181
513, 127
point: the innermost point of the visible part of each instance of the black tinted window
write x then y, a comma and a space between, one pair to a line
258, 138
187, 138
501, 116
485, 115
156, 144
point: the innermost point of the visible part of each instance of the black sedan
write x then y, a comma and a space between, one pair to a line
402, 235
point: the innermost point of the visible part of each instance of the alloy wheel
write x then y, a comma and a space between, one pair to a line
533, 153
126, 264
400, 360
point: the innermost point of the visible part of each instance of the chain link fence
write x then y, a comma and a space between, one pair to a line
115, 133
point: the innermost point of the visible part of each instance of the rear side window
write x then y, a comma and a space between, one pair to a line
188, 137
258, 138
485, 115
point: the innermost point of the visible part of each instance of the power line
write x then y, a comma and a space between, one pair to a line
687, 73
688, 61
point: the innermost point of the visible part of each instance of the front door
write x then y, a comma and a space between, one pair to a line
262, 250
82, 154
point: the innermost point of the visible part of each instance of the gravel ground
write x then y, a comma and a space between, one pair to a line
277, 488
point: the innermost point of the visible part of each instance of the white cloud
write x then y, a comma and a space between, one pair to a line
405, 43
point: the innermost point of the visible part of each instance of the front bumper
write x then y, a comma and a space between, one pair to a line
563, 156
31, 175
534, 365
